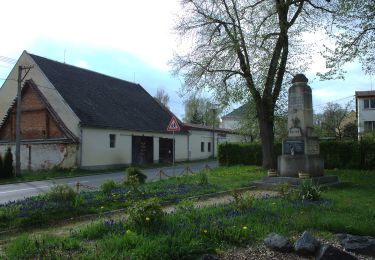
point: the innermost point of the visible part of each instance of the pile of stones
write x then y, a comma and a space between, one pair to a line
307, 245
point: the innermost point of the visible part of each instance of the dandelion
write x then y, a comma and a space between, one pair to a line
147, 219
128, 231
244, 228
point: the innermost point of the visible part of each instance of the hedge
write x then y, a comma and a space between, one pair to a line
336, 154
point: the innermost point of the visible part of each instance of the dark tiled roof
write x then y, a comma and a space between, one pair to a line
103, 101
365, 93
207, 128
238, 112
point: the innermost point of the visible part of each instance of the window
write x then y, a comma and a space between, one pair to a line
112, 140
202, 146
369, 103
369, 126
209, 147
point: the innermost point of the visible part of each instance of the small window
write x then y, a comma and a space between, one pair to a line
202, 146
369, 126
369, 103
366, 103
209, 147
112, 140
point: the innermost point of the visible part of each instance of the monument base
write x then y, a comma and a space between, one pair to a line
291, 165
273, 181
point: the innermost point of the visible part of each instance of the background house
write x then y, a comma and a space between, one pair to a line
365, 108
73, 117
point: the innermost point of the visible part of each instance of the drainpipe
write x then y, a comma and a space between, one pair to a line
80, 147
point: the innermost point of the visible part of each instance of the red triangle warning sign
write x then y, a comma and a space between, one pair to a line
173, 125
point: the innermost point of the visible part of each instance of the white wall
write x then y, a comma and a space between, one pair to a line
198, 136
230, 123
367, 114
96, 151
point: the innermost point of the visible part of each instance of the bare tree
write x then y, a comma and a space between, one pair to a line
162, 97
246, 48
335, 119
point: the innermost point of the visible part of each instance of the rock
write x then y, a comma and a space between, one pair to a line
210, 257
306, 244
328, 252
278, 243
364, 245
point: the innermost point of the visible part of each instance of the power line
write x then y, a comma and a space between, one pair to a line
332, 101
7, 60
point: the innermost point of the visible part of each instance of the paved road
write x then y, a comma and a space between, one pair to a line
17, 191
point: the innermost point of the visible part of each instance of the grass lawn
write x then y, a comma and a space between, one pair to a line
42, 210
189, 232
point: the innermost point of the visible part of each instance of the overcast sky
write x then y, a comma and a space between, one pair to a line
128, 39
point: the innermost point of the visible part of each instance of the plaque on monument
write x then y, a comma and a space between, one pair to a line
294, 147
294, 132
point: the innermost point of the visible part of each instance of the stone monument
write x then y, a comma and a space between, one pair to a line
300, 149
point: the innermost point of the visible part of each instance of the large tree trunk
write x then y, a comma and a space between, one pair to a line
265, 119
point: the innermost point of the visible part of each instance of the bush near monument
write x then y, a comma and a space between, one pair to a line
336, 154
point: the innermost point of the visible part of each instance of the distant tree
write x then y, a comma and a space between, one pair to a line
354, 32
201, 111
162, 97
8, 164
333, 119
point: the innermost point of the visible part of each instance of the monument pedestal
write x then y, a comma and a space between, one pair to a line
326, 180
291, 165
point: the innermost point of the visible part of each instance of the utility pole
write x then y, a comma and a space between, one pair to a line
18, 118
213, 132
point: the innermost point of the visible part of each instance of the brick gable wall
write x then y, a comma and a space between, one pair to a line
36, 121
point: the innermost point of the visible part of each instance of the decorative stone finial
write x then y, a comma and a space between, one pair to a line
299, 78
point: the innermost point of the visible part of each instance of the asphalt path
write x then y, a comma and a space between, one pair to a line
18, 191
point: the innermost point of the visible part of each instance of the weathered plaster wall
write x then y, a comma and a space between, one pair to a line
45, 156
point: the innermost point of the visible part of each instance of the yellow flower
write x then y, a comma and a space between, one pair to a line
205, 231
147, 219
128, 231
244, 227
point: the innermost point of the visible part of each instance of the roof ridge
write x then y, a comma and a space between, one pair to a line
80, 68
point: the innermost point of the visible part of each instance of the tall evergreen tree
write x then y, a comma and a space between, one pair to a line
8, 164
1, 168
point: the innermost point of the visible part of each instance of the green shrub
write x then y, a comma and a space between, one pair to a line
336, 154
242, 201
62, 192
202, 178
8, 214
286, 191
8, 164
146, 214
134, 172
309, 191
107, 186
